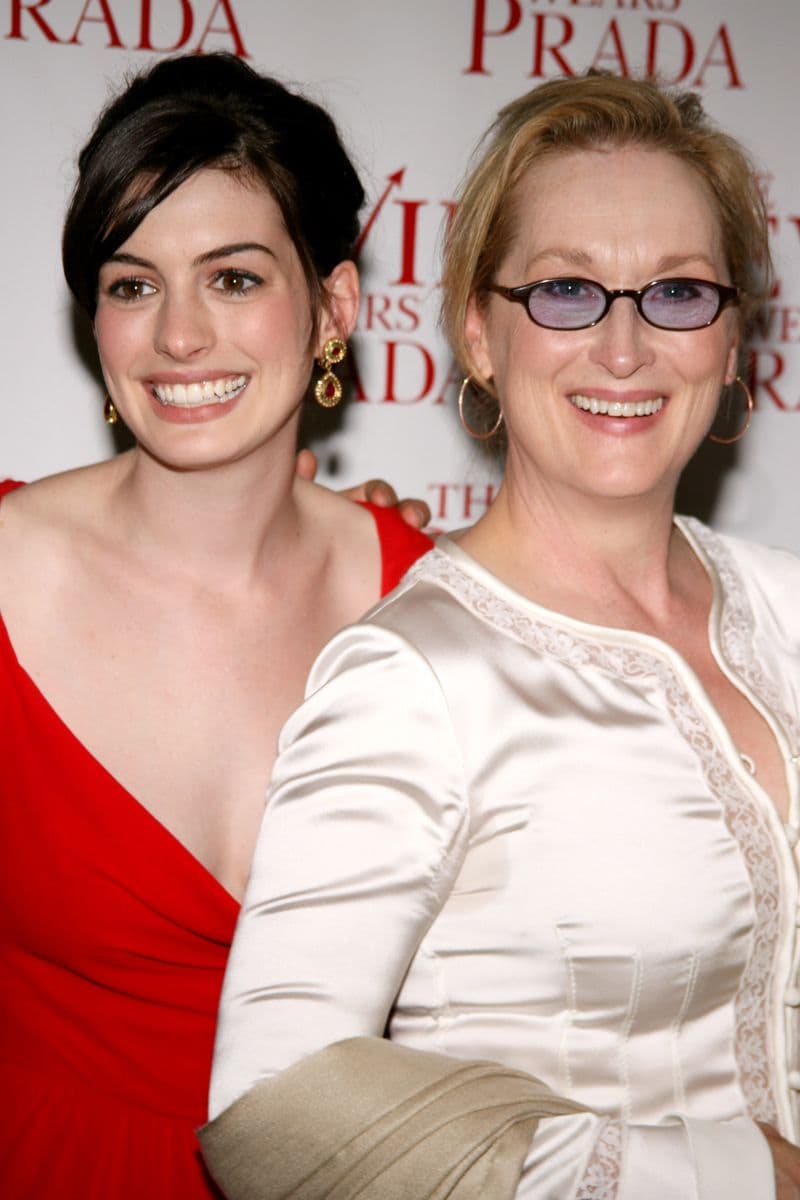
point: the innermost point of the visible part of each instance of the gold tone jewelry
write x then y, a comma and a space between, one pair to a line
110, 414
480, 437
729, 441
328, 389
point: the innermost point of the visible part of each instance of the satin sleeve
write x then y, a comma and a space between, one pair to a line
363, 834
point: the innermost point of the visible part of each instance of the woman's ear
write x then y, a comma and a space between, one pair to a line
340, 304
476, 339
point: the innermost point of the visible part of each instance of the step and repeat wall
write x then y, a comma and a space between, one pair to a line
412, 85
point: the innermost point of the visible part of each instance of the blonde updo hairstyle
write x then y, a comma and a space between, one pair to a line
594, 111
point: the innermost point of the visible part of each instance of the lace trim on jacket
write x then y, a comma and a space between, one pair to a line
602, 1175
736, 630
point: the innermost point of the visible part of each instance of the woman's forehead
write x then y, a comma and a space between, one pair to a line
584, 206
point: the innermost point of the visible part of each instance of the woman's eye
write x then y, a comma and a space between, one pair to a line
676, 292
235, 283
130, 289
570, 289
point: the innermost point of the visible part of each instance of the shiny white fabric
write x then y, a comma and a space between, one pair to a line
503, 833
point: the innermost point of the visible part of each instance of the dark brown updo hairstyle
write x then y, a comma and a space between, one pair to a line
189, 112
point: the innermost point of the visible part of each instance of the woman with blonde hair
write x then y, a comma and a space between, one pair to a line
565, 843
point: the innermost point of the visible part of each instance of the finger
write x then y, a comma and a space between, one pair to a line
414, 512
378, 491
305, 465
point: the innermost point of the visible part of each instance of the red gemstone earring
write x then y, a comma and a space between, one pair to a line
328, 389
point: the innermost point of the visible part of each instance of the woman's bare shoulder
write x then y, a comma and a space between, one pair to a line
39, 523
349, 541
55, 500
343, 522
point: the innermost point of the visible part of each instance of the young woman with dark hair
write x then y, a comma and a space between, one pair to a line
160, 612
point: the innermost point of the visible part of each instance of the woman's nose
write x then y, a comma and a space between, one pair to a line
622, 341
184, 327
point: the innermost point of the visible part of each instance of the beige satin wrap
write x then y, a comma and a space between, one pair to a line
370, 1119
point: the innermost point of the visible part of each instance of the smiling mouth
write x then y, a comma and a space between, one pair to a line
617, 408
192, 395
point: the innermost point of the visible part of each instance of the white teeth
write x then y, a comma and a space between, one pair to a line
617, 408
210, 391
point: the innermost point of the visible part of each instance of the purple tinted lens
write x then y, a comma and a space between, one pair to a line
566, 303
680, 304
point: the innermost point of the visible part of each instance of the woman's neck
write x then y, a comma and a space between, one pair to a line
607, 560
236, 521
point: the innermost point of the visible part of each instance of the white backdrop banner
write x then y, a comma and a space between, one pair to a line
412, 85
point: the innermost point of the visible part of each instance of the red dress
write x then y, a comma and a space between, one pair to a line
113, 940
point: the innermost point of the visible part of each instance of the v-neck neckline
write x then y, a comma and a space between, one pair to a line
140, 811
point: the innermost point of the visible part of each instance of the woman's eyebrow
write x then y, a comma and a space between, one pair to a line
672, 261
132, 259
232, 248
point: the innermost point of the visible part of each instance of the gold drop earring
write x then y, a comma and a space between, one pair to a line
328, 389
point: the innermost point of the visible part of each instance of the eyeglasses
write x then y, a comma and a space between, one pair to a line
569, 303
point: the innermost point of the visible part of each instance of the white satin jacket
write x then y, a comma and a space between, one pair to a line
499, 832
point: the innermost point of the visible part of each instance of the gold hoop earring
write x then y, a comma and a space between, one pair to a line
479, 437
328, 389
729, 441
110, 414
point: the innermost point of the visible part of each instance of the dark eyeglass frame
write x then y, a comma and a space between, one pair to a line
725, 295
